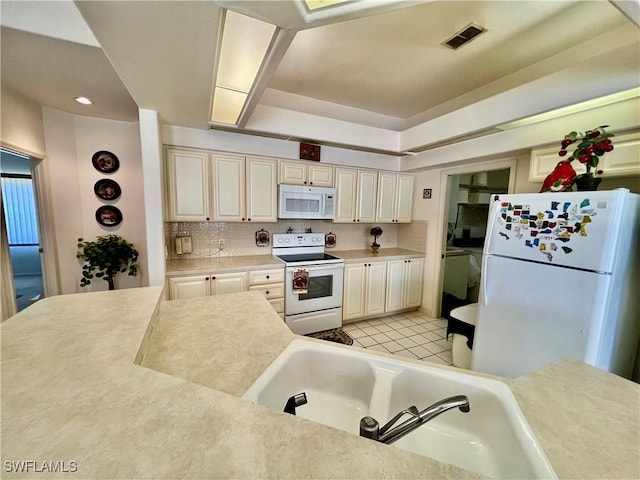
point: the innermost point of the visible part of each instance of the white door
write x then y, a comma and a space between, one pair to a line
395, 285
404, 199
386, 197
293, 173
413, 282
324, 290
531, 314
320, 175
187, 175
376, 285
574, 229
229, 188
262, 190
188, 287
346, 190
354, 291
228, 283
366, 203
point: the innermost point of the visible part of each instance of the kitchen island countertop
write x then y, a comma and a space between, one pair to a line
72, 391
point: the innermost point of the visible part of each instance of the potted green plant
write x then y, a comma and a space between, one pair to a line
376, 232
107, 256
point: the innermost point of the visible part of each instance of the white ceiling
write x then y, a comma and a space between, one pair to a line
378, 65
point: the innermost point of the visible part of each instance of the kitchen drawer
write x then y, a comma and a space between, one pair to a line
270, 291
277, 304
261, 277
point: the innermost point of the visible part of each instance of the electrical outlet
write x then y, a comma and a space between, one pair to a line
221, 244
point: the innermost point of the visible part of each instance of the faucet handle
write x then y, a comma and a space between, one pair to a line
413, 411
369, 428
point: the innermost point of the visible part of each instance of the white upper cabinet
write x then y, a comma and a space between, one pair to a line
228, 188
262, 190
621, 161
245, 189
187, 179
356, 195
395, 197
298, 173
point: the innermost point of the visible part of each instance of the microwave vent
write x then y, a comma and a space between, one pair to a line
464, 36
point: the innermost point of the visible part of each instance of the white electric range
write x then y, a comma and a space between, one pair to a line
317, 306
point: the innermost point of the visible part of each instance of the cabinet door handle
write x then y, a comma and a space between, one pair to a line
311, 183
207, 219
206, 278
305, 182
267, 277
267, 292
213, 278
357, 220
243, 219
248, 219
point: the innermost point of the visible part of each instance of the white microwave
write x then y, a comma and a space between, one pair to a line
297, 201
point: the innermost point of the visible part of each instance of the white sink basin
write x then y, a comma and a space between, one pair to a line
343, 385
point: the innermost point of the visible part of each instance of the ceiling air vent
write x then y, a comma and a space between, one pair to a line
467, 34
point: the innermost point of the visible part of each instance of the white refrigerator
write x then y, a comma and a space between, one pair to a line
560, 278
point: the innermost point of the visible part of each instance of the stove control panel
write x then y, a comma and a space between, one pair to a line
298, 239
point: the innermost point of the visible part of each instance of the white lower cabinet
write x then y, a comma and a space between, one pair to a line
271, 284
404, 284
364, 289
181, 288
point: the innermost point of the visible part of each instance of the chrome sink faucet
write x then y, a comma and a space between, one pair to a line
370, 428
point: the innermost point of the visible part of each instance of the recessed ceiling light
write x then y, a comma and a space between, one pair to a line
83, 100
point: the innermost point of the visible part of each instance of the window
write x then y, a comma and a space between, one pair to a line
20, 209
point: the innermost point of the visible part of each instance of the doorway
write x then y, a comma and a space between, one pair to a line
21, 220
465, 217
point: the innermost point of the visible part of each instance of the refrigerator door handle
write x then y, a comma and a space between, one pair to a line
483, 281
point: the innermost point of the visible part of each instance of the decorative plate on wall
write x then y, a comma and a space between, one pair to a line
262, 238
330, 240
105, 162
108, 215
107, 189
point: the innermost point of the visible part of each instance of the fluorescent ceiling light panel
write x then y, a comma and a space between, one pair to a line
83, 100
317, 4
244, 44
227, 105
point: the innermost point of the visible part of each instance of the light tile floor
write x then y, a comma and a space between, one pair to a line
410, 334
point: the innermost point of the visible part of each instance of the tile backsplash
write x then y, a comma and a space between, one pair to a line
240, 239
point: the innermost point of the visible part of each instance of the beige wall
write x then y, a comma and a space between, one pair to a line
71, 141
21, 126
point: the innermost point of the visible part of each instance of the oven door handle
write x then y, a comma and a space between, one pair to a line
317, 268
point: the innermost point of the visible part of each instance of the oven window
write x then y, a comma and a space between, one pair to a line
319, 287
302, 205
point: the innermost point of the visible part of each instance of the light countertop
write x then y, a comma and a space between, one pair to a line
366, 254
195, 266
127, 389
